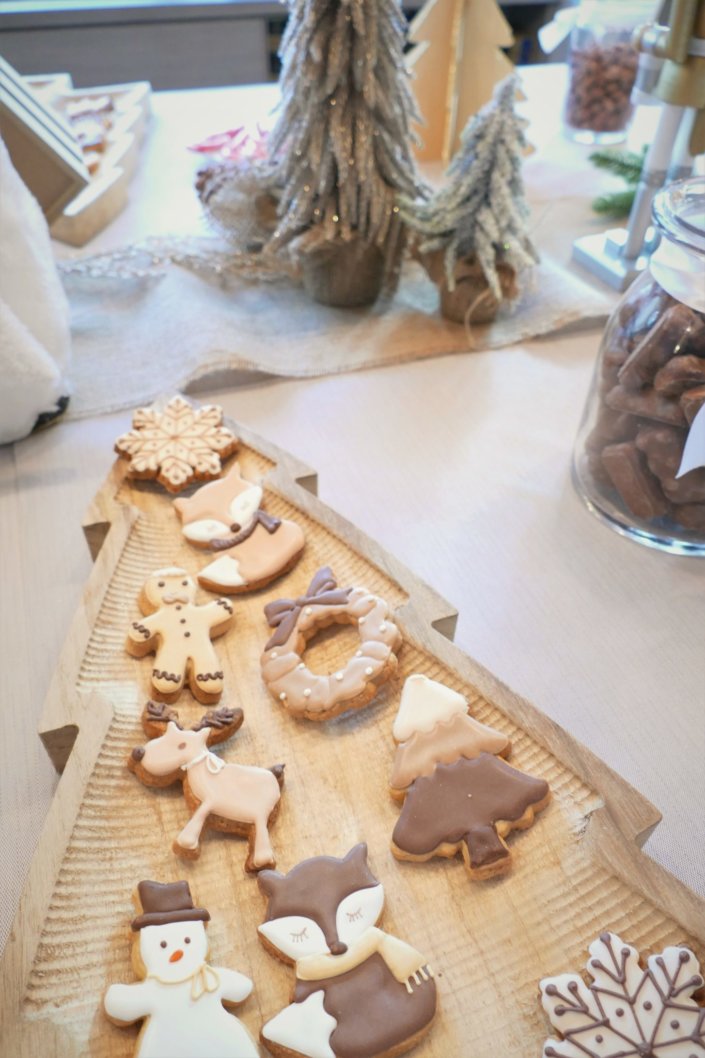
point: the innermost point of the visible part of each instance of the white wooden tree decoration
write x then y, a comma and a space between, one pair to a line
456, 64
342, 145
471, 235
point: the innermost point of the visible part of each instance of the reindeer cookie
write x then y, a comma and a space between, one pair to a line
321, 696
359, 991
253, 548
179, 996
179, 633
235, 798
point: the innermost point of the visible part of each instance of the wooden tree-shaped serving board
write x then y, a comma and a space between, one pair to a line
577, 871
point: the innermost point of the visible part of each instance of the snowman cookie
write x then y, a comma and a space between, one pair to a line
359, 990
252, 547
179, 633
179, 996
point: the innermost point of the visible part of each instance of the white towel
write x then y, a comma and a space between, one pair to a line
35, 339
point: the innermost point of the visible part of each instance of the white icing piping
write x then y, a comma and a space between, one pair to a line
213, 764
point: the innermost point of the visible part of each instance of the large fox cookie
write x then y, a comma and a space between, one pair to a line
359, 990
179, 633
253, 548
179, 996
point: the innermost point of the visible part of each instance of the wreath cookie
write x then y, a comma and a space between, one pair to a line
320, 697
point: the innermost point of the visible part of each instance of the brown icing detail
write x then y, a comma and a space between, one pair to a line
282, 614
225, 604
161, 674
628, 990
446, 742
260, 517
140, 628
203, 677
164, 902
315, 887
375, 1013
458, 803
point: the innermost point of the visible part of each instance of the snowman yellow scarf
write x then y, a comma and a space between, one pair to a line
403, 961
204, 980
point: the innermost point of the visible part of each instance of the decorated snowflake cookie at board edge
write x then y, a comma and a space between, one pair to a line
229, 797
295, 621
358, 990
458, 795
177, 445
179, 996
250, 547
627, 1009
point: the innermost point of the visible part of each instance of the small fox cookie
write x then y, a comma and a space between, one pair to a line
253, 548
234, 798
359, 990
179, 633
317, 696
179, 996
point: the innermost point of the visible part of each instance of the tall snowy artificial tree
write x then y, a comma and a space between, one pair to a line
471, 235
342, 145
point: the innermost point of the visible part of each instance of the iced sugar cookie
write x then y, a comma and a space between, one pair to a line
179, 997
359, 990
252, 547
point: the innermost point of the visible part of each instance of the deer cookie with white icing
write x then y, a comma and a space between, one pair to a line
179, 996
251, 547
360, 992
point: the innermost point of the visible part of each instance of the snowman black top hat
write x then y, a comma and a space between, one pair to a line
164, 902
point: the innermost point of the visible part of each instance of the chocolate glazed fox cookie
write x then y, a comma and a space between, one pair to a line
319, 697
179, 633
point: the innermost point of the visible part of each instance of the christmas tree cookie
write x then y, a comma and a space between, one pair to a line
458, 794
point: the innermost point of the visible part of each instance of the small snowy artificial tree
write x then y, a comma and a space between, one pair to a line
471, 235
342, 145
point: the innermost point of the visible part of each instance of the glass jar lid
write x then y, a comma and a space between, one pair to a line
679, 212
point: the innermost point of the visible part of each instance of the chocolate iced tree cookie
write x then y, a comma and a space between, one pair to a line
458, 795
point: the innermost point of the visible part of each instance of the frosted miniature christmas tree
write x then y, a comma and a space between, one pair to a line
342, 144
456, 64
473, 231
458, 794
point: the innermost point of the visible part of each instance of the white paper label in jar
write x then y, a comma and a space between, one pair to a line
680, 272
694, 451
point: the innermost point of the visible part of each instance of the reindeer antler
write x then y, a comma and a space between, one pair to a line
155, 717
223, 723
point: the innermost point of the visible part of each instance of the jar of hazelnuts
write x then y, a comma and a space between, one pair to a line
602, 69
639, 460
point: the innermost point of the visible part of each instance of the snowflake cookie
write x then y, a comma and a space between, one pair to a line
627, 1011
178, 445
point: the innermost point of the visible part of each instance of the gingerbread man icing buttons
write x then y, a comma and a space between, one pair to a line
252, 547
316, 696
179, 633
458, 795
179, 995
359, 990
229, 797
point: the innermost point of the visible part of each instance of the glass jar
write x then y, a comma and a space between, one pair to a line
639, 459
602, 69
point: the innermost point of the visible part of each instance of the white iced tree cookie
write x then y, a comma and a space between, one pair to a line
179, 996
627, 1010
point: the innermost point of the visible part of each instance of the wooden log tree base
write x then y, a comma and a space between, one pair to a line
344, 274
576, 872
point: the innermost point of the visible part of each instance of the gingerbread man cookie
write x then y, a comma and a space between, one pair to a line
179, 996
317, 696
179, 633
252, 547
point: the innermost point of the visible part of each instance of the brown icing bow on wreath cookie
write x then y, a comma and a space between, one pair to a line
318, 696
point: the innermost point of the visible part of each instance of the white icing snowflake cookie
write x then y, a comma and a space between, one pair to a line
627, 1011
177, 445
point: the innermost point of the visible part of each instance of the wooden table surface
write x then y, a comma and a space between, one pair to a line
461, 466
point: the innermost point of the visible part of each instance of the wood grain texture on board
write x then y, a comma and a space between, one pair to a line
576, 872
